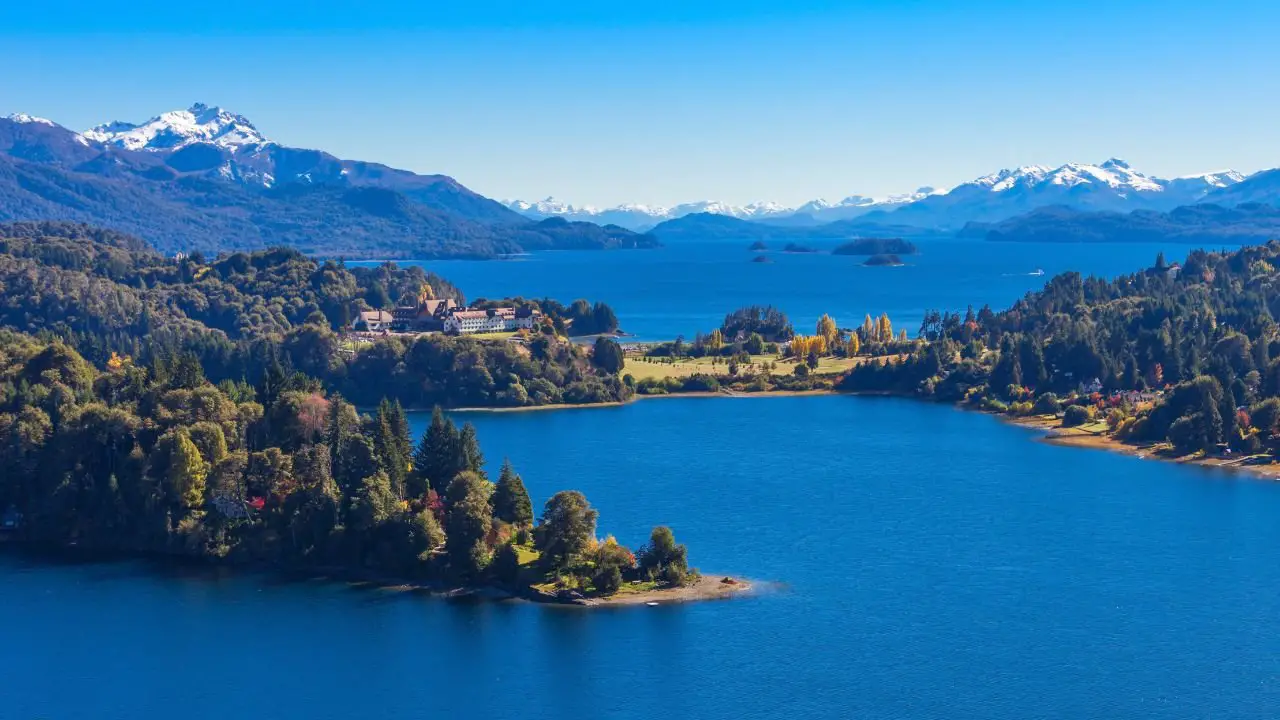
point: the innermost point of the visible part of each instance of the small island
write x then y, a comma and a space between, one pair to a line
883, 261
758, 246
762, 259
797, 248
876, 246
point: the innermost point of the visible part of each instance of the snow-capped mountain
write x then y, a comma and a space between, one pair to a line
1111, 185
199, 123
25, 119
638, 217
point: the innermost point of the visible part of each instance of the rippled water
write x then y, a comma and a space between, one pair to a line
922, 563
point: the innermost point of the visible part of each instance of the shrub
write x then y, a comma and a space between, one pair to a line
1075, 415
1048, 404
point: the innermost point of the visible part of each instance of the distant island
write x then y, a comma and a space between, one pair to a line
757, 246
705, 226
876, 246
887, 260
761, 259
797, 248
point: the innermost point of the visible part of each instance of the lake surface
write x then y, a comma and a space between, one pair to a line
688, 287
922, 562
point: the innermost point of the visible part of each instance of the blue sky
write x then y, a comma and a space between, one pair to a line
662, 101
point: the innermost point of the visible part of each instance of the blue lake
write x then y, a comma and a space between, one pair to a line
921, 562
689, 287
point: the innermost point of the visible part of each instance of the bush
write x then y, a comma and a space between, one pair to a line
607, 580
1020, 409
506, 565
994, 405
1075, 415
1048, 404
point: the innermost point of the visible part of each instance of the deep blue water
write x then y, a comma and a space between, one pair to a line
929, 563
689, 287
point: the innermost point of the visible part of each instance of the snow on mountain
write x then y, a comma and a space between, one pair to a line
26, 119
178, 128
1110, 185
638, 216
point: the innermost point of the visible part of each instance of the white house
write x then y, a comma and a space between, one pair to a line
504, 319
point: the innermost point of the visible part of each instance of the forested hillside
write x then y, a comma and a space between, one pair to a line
246, 315
1182, 355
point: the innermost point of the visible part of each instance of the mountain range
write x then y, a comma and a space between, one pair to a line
206, 179
1112, 186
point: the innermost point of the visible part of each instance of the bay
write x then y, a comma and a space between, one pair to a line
915, 561
686, 288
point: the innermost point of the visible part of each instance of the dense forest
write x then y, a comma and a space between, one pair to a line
1183, 355
246, 314
158, 460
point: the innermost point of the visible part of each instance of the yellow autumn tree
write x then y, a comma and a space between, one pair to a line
902, 335
715, 340
884, 329
869, 329
827, 329
854, 345
425, 293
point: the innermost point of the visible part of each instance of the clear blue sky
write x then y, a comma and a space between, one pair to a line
596, 101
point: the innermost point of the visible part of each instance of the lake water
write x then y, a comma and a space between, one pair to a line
689, 287
921, 562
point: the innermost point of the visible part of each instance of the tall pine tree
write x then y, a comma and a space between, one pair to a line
511, 500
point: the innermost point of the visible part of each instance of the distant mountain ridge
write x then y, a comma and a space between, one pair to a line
207, 179
709, 226
1204, 224
1110, 185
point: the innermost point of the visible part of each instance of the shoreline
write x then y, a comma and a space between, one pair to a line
635, 398
1055, 434
707, 587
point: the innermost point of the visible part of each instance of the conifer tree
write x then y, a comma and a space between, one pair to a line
469, 455
511, 500
435, 461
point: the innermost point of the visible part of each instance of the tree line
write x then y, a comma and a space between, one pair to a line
243, 314
157, 459
1177, 354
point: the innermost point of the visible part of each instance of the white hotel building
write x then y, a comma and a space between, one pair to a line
467, 322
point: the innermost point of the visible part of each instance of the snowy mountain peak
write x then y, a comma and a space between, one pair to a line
178, 128
26, 119
1215, 179
1114, 173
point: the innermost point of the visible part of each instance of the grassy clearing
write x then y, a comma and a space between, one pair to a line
495, 335
641, 368
527, 555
